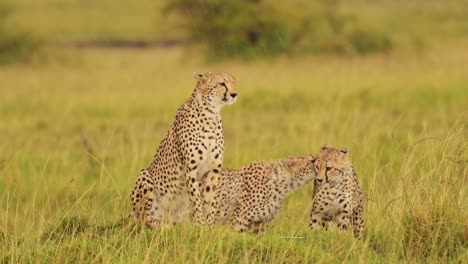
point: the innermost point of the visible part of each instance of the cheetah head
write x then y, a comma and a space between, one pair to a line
302, 169
331, 162
216, 88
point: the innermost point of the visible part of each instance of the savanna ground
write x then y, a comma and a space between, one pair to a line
76, 131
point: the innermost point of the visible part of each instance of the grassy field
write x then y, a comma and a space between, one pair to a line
76, 131
75, 137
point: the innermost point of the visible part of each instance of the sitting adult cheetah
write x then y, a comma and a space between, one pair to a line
252, 196
337, 196
192, 148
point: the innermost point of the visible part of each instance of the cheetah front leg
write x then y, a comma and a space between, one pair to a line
358, 221
238, 222
210, 203
193, 189
240, 225
343, 219
258, 228
316, 221
318, 218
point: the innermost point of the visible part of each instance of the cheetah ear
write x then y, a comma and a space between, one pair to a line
198, 76
313, 157
201, 79
324, 147
345, 150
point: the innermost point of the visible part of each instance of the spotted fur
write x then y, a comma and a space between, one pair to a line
337, 196
249, 198
170, 188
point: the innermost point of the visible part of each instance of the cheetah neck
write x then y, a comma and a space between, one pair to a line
285, 178
199, 103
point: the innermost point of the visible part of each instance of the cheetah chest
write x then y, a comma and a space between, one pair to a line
334, 199
210, 149
203, 136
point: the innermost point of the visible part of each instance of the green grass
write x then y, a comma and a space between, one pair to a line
76, 131
75, 136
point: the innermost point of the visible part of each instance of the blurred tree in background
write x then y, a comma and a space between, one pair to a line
15, 45
254, 28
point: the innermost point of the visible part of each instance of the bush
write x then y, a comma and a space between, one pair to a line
15, 45
364, 41
253, 28
233, 28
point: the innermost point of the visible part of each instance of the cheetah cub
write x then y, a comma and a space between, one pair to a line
252, 196
337, 196
192, 148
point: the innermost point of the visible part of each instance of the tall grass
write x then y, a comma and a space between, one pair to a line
75, 137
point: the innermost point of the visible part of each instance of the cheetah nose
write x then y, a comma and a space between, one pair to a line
319, 180
233, 95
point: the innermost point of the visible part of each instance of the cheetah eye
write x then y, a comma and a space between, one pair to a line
329, 168
222, 84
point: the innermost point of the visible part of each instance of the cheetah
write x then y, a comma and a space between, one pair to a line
170, 188
249, 198
337, 197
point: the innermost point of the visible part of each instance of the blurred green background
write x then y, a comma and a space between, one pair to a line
226, 29
89, 88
